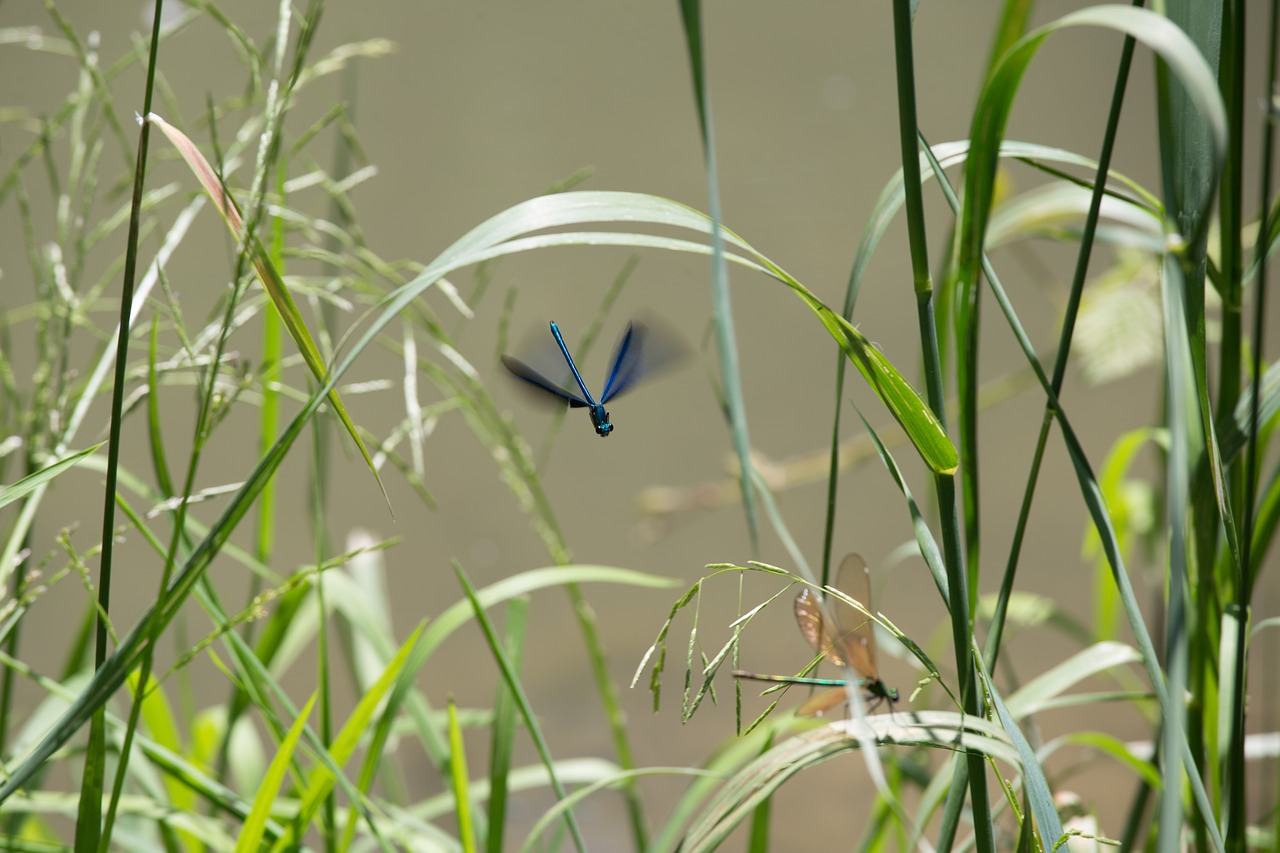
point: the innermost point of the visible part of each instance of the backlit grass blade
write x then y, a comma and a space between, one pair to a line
29, 483
510, 232
459, 782
761, 778
925, 540
321, 781
158, 718
270, 278
1044, 688
250, 840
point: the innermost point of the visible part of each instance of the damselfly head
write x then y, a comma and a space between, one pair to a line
600, 420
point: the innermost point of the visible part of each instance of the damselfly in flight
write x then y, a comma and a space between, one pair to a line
851, 640
639, 353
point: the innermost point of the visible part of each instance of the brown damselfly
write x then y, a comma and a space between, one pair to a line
848, 639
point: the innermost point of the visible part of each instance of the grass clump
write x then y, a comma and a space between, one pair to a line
276, 766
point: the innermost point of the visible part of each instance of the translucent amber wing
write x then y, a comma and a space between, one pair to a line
813, 625
855, 633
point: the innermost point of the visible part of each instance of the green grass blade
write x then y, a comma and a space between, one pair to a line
158, 718
1234, 436
961, 568
1179, 386
89, 830
320, 784
250, 840
1266, 521
1041, 690
522, 701
730, 375
155, 432
1148, 28
924, 536
34, 480
1114, 479
458, 781
132, 646
762, 818
502, 742
1034, 783
758, 781
504, 234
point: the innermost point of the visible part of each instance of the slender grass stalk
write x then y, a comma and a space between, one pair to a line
270, 150
691, 17
1230, 215
324, 690
1235, 782
1065, 334
251, 836
957, 577
1177, 631
89, 826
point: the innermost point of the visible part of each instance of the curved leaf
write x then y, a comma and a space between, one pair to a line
999, 94
510, 232
759, 779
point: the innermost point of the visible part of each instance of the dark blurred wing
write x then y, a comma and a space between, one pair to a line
642, 351
520, 370
856, 633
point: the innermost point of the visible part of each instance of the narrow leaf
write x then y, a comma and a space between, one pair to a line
250, 840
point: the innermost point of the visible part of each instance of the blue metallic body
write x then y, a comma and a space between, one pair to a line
627, 367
